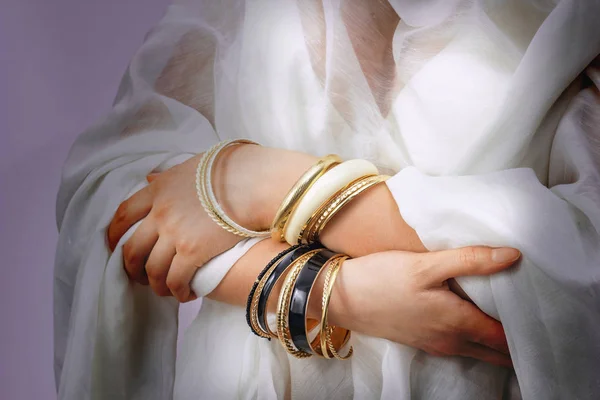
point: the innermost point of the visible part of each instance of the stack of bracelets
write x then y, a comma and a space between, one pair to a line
316, 197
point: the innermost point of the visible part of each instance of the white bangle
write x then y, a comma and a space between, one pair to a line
325, 187
207, 196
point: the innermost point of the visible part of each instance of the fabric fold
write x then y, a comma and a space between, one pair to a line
484, 118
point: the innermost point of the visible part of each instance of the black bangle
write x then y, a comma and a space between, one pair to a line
258, 278
298, 251
300, 297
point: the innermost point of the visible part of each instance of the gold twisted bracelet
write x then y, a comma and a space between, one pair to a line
311, 323
283, 306
293, 197
207, 198
315, 225
337, 337
254, 304
201, 190
326, 331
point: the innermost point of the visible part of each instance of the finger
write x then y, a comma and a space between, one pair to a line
479, 352
129, 212
480, 328
476, 260
158, 265
160, 259
152, 176
137, 248
180, 276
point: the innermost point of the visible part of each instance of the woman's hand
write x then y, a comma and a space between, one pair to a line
177, 236
405, 297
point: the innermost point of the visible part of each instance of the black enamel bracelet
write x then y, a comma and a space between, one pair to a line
258, 278
300, 298
288, 259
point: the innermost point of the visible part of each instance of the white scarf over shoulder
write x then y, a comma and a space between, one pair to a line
489, 122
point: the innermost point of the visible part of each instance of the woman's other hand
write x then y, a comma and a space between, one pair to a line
176, 236
405, 297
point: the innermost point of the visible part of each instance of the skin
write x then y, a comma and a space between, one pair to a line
407, 300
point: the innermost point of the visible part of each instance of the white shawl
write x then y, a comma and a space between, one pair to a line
489, 132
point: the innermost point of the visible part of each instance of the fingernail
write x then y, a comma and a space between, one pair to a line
505, 254
151, 176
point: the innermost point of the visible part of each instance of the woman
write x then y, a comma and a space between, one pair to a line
483, 112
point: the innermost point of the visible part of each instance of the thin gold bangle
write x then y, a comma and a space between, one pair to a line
315, 225
329, 277
201, 190
307, 232
283, 274
203, 195
254, 304
339, 338
337, 335
301, 186
207, 198
325, 330
331, 346
311, 323
315, 345
283, 306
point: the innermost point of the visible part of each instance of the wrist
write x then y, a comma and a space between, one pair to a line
343, 308
370, 223
235, 183
251, 181
268, 175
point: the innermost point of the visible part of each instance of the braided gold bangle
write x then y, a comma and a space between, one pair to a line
207, 198
253, 315
283, 306
338, 337
332, 347
201, 190
325, 331
315, 225
297, 192
254, 304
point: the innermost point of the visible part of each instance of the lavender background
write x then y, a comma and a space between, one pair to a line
60, 64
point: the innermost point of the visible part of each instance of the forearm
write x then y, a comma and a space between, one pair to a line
236, 285
369, 223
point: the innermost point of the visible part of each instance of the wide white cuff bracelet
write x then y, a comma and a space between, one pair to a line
325, 187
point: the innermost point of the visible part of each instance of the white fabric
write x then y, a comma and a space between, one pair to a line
479, 108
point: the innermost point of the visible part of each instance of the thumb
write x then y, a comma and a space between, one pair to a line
152, 176
475, 260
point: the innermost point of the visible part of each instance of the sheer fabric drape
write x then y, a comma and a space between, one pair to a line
483, 110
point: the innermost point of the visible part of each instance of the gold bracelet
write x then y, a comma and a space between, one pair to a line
327, 286
283, 306
203, 195
282, 276
315, 225
297, 192
332, 346
207, 198
325, 331
201, 190
311, 323
338, 337
254, 304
